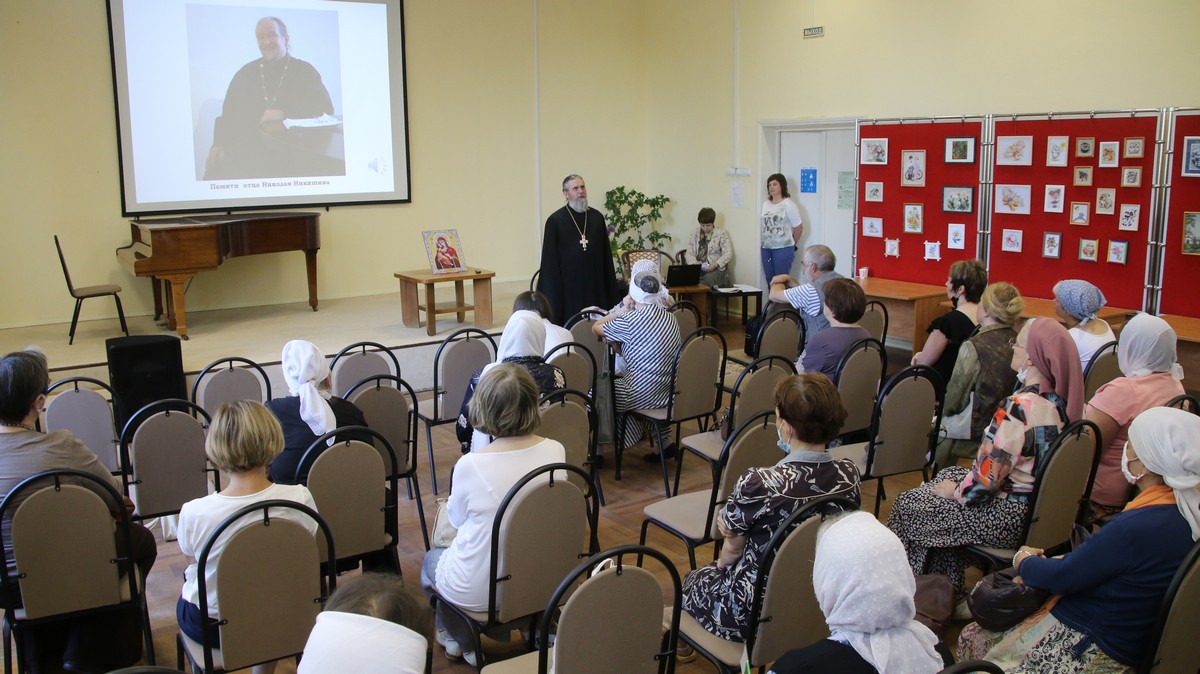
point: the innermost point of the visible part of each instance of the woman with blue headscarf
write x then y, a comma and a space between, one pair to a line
1076, 303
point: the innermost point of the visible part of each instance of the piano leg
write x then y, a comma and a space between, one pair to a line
156, 287
310, 259
177, 313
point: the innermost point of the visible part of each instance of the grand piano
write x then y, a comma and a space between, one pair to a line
173, 250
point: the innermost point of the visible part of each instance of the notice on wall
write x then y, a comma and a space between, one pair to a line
845, 192
808, 181
736, 194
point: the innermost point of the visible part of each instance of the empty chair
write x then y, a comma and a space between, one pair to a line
88, 292
268, 581
1101, 369
860, 373
603, 607
221, 381
354, 364
81, 568
875, 320
784, 612
692, 517
87, 414
903, 431
456, 361
163, 464
577, 363
687, 315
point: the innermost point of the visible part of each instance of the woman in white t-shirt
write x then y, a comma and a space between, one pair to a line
243, 438
505, 406
1076, 303
780, 228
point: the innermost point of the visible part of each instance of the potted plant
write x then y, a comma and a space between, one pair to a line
631, 216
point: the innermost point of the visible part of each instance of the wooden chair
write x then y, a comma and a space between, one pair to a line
859, 374
785, 613
631, 257
902, 435
541, 528
269, 582
88, 292
875, 320
692, 517
221, 382
88, 415
697, 379
67, 558
163, 464
1101, 369
1062, 488
602, 608
354, 364
1172, 644
459, 356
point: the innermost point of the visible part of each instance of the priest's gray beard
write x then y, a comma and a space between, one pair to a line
578, 205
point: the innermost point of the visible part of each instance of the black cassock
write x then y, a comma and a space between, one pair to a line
571, 277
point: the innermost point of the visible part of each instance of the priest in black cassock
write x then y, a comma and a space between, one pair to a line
577, 265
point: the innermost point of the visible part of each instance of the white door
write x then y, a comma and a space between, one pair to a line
825, 154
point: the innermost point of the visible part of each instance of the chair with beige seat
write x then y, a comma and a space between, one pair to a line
163, 463
227, 379
860, 373
355, 363
875, 320
1101, 369
603, 607
785, 613
577, 363
687, 315
692, 517
88, 414
86, 293
568, 416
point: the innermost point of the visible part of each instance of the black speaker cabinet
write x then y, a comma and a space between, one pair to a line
144, 369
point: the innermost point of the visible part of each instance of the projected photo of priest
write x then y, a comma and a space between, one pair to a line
277, 118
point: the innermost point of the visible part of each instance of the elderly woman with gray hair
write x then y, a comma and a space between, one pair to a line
649, 337
1076, 303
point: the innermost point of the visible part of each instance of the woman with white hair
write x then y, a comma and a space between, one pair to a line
1076, 303
309, 411
1112, 586
649, 337
521, 343
865, 589
1146, 356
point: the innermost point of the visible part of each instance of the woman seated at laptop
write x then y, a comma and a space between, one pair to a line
710, 248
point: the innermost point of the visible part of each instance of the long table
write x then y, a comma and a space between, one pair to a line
911, 306
1187, 330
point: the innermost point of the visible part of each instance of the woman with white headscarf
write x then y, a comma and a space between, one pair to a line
1076, 303
1113, 585
309, 410
1146, 356
865, 589
522, 342
649, 337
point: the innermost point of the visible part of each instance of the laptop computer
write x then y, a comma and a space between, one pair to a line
683, 275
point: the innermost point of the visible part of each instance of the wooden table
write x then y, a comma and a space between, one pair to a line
1116, 317
911, 306
697, 294
757, 294
410, 305
1187, 346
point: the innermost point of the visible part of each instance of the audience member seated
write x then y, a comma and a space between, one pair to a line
1076, 303
982, 376
648, 337
1111, 586
986, 505
711, 249
505, 406
370, 624
310, 410
91, 643
1146, 356
964, 287
809, 415
243, 439
808, 297
520, 344
532, 300
844, 304
865, 589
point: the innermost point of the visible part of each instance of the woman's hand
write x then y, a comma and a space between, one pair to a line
946, 489
731, 551
1025, 553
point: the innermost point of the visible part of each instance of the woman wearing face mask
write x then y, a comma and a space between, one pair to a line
1146, 356
809, 414
964, 286
1112, 586
986, 505
710, 248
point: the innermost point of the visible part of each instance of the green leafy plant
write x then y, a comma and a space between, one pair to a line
631, 216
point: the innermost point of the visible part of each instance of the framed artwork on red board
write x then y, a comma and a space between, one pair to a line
956, 236
958, 199
1131, 176
1131, 214
1087, 249
960, 150
1118, 251
914, 218
1106, 201
873, 192
1014, 151
1110, 155
1191, 157
912, 169
1085, 147
1080, 212
1191, 233
1054, 199
1013, 199
1135, 148
891, 247
1057, 150
874, 151
1083, 176
1052, 245
1011, 240
872, 227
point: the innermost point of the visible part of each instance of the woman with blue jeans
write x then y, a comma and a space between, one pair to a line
780, 227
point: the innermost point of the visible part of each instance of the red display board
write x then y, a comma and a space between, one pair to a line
1180, 269
928, 136
1110, 199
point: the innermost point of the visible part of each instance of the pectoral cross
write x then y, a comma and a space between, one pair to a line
583, 242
